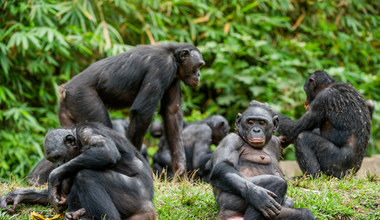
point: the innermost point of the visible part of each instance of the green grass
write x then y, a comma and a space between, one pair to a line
327, 198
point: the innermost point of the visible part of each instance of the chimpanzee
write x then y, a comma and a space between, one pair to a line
341, 117
246, 177
197, 139
98, 174
121, 126
139, 78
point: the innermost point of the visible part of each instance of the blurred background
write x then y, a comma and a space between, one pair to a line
261, 50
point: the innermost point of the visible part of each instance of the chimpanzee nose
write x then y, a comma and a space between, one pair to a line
256, 130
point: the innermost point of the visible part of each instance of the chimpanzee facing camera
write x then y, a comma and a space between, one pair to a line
246, 176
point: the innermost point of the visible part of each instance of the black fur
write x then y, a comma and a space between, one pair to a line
140, 78
246, 176
341, 117
99, 174
197, 139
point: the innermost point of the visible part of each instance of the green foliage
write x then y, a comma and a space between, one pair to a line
253, 49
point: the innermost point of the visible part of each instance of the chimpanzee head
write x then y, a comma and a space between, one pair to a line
219, 126
315, 83
190, 62
156, 129
257, 124
60, 146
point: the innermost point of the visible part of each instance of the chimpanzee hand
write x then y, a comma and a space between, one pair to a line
263, 200
56, 198
11, 198
284, 142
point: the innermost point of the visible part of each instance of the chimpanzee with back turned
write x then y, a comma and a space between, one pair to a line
246, 176
341, 115
140, 78
197, 139
99, 174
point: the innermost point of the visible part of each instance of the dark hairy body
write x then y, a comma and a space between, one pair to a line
342, 119
197, 139
140, 78
247, 180
99, 175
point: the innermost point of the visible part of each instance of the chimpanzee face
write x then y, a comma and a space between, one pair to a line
256, 126
189, 68
60, 146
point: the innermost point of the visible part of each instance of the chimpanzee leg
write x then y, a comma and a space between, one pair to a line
316, 154
82, 105
109, 194
88, 192
273, 183
40, 173
278, 186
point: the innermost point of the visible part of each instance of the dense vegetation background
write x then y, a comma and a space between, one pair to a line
260, 50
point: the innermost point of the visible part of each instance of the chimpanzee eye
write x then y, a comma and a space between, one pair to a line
250, 121
262, 122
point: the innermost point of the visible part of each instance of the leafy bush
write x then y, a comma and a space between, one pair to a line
260, 50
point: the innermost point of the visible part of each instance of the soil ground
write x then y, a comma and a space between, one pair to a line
370, 165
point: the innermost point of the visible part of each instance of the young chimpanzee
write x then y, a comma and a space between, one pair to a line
341, 117
140, 78
197, 139
247, 179
99, 174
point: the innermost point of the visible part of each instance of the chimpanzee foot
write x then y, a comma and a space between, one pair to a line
76, 214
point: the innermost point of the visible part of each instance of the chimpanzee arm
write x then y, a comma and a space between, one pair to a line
98, 152
226, 177
30, 196
310, 120
142, 109
172, 115
201, 151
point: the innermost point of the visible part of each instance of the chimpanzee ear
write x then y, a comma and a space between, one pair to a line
238, 120
221, 124
184, 54
276, 122
312, 83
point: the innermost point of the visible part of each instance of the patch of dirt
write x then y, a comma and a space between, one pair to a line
370, 165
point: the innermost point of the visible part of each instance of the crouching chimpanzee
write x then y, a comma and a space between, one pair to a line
247, 179
341, 117
197, 139
139, 78
99, 175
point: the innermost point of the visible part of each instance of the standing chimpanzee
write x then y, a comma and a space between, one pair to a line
139, 78
197, 139
340, 115
246, 176
98, 174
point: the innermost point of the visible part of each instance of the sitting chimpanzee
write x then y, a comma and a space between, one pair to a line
197, 139
247, 179
99, 174
140, 78
340, 115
